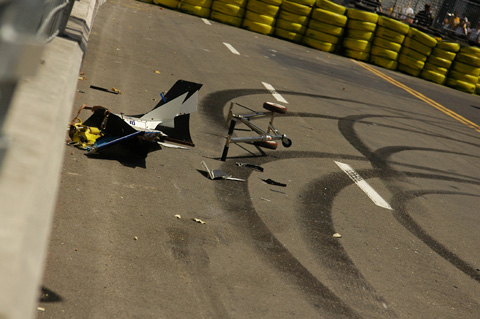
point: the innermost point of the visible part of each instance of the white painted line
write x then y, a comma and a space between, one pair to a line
206, 21
231, 48
276, 95
364, 186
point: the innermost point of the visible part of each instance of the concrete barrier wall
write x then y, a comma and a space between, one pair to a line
30, 174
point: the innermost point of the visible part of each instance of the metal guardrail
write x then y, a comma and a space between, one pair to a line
25, 27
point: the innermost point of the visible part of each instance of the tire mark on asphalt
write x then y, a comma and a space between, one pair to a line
319, 295
273, 248
383, 169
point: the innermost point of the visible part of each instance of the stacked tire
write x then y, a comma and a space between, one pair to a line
172, 4
293, 19
439, 62
326, 26
359, 34
200, 8
416, 49
261, 16
228, 11
386, 46
465, 70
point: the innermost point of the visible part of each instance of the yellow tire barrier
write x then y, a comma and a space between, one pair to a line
389, 34
477, 89
465, 68
240, 3
422, 37
393, 24
199, 3
361, 25
319, 45
461, 85
444, 63
435, 68
417, 46
288, 35
447, 55
260, 18
433, 76
309, 3
276, 3
262, 8
384, 63
223, 18
384, 53
413, 54
448, 46
329, 17
228, 9
295, 8
292, 17
172, 4
356, 44
468, 59
257, 27
330, 6
324, 27
359, 34
470, 50
357, 55
410, 62
387, 44
290, 26
463, 77
362, 15
321, 36
194, 10
409, 70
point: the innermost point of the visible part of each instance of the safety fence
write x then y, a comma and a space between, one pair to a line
25, 27
360, 32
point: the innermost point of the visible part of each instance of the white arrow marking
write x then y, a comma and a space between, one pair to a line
364, 186
276, 95
231, 48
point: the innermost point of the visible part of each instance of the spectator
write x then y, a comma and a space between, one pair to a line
474, 34
409, 13
424, 17
453, 21
461, 29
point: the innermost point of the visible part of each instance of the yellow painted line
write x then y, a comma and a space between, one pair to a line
420, 96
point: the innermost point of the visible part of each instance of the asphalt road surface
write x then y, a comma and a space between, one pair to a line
388, 161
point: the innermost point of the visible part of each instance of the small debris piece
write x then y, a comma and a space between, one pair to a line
218, 174
258, 168
169, 145
337, 235
113, 91
272, 182
156, 71
135, 238
178, 216
265, 199
81, 78
116, 90
198, 221
40, 309
277, 191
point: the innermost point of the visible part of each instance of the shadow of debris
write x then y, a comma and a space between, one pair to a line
48, 295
